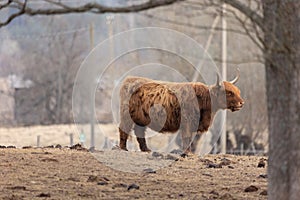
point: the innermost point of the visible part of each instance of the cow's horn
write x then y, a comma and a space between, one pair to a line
218, 81
237, 76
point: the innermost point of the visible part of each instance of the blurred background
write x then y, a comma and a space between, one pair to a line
40, 56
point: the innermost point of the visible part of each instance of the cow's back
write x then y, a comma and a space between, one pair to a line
165, 100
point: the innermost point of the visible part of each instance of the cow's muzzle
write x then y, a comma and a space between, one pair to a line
237, 107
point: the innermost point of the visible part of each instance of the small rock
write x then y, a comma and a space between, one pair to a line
171, 157
205, 161
261, 163
34, 152
2, 147
93, 178
27, 147
74, 179
18, 188
102, 183
230, 167
264, 193
213, 165
49, 160
214, 192
205, 174
226, 196
157, 154
180, 195
133, 186
44, 195
58, 146
263, 176
49, 147
119, 185
11, 147
177, 151
251, 188
225, 162
86, 195
149, 170
78, 147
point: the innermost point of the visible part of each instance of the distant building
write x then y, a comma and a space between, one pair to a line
18, 102
6, 102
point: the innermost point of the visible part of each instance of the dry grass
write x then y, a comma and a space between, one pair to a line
71, 174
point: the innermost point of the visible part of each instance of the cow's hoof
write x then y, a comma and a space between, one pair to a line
184, 155
146, 150
124, 148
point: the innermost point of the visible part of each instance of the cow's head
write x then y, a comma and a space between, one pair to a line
233, 101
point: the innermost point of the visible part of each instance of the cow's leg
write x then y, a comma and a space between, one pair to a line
194, 142
124, 130
123, 139
206, 117
140, 135
186, 140
186, 145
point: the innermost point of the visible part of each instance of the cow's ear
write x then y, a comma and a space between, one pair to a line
218, 83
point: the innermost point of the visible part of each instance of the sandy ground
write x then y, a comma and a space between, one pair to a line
49, 135
106, 137
48, 173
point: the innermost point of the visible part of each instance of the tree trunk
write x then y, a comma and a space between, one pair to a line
282, 51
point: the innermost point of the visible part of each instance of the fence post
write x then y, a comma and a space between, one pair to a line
71, 139
38, 140
253, 148
242, 149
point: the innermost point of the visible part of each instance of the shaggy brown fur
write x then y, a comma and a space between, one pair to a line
169, 107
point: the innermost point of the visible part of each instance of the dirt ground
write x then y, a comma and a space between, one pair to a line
50, 173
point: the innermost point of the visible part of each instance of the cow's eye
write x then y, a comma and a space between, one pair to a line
230, 93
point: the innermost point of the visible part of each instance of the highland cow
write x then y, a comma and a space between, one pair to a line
170, 107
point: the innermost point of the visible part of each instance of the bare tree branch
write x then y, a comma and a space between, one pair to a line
5, 4
254, 27
251, 14
249, 32
190, 25
15, 15
243, 8
57, 8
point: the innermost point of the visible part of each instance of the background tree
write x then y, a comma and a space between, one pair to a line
273, 27
187, 17
29, 7
60, 55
